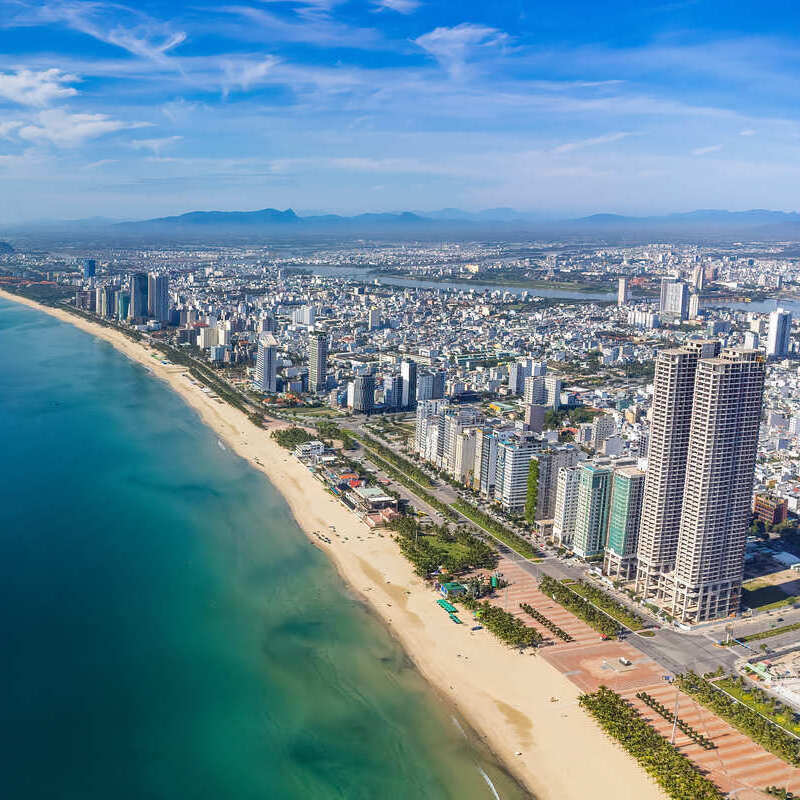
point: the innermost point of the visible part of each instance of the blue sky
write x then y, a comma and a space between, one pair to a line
562, 108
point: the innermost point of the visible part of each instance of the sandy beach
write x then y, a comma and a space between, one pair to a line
553, 747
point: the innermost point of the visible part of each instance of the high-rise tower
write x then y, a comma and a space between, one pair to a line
317, 361
158, 297
623, 292
673, 395
267, 363
627, 486
138, 289
723, 443
778, 333
408, 372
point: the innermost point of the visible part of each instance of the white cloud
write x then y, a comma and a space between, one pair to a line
36, 88
7, 128
400, 6
702, 151
569, 147
452, 47
155, 145
70, 130
245, 74
312, 24
114, 24
747, 132
179, 110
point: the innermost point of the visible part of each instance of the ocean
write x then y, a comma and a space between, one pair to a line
166, 629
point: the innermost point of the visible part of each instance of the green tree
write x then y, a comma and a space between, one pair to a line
532, 499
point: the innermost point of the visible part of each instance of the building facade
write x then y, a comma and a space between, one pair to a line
566, 505
627, 490
673, 396
779, 333
591, 515
317, 361
138, 294
720, 464
267, 364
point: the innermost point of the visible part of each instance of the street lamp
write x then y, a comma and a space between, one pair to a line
670, 679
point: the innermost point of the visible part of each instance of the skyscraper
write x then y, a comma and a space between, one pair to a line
542, 390
138, 291
464, 462
779, 332
623, 294
364, 393
456, 419
89, 268
392, 392
439, 377
408, 372
106, 305
485, 468
627, 489
514, 455
552, 387
674, 299
267, 363
547, 463
694, 305
673, 395
534, 392
318, 361
122, 301
429, 412
566, 505
158, 297
591, 514
723, 443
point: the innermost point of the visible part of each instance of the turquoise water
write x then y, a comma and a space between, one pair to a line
166, 631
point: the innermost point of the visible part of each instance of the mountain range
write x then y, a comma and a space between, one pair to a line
752, 225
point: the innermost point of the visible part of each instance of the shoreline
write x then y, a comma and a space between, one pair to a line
505, 697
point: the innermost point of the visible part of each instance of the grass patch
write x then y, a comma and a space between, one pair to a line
289, 438
754, 637
757, 595
430, 548
496, 529
579, 606
743, 717
400, 463
763, 703
604, 601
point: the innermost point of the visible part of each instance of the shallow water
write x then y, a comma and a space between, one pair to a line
167, 630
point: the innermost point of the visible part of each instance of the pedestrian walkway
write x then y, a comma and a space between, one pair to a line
737, 765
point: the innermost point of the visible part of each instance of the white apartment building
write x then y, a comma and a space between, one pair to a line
566, 505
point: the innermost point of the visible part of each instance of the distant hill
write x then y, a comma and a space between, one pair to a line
266, 218
705, 219
271, 220
271, 223
5, 248
217, 219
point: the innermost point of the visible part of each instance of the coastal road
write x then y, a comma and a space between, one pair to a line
675, 651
